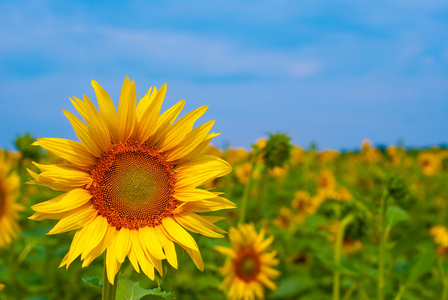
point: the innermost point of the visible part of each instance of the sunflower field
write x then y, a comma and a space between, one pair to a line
160, 213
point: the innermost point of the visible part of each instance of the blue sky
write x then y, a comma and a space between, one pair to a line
330, 72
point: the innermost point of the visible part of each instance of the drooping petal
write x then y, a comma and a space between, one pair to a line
77, 219
150, 241
112, 264
168, 246
178, 234
122, 244
196, 224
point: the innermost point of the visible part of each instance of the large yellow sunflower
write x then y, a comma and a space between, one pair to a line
9, 209
249, 266
131, 185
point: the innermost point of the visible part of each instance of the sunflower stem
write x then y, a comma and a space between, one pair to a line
384, 234
246, 192
109, 289
337, 255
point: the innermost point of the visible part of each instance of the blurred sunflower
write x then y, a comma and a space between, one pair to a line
369, 153
328, 155
326, 182
304, 205
2, 286
286, 219
297, 155
9, 209
130, 186
249, 266
430, 163
243, 171
278, 172
440, 236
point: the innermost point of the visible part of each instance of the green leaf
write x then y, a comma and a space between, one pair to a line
333, 267
293, 286
424, 263
130, 290
395, 215
94, 283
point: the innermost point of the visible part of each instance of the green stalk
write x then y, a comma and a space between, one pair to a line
400, 292
349, 292
246, 192
337, 255
384, 234
109, 289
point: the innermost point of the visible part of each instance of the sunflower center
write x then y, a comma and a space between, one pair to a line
247, 265
133, 186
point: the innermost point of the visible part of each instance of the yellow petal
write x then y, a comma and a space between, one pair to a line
145, 102
148, 122
226, 251
83, 134
65, 202
190, 142
80, 218
61, 178
98, 129
71, 151
165, 120
200, 170
107, 110
196, 224
112, 264
168, 246
196, 257
95, 233
151, 242
146, 266
99, 249
127, 110
180, 129
178, 234
122, 244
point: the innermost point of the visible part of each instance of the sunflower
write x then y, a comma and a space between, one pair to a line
440, 237
429, 162
9, 209
249, 266
305, 205
131, 185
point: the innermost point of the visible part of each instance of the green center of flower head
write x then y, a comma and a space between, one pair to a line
247, 265
133, 186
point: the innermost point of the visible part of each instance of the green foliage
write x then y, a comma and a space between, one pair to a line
304, 237
130, 290
23, 144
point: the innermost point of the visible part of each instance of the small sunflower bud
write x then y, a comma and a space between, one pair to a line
277, 150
